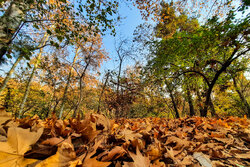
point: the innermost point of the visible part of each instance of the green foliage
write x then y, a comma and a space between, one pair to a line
205, 53
189, 66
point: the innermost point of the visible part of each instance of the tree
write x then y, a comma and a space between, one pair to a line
92, 55
208, 51
98, 16
241, 92
169, 22
27, 89
124, 50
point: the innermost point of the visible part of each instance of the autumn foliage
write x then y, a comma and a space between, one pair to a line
149, 142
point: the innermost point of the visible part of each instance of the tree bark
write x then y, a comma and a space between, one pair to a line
177, 115
117, 111
175, 106
105, 83
246, 107
6, 79
232, 57
199, 101
211, 105
27, 90
10, 22
67, 85
190, 103
26, 93
81, 79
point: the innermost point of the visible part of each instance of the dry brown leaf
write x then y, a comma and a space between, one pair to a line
2, 131
115, 153
140, 143
3, 138
88, 129
4, 116
139, 159
154, 152
92, 162
65, 156
128, 164
218, 164
180, 143
130, 135
53, 141
18, 142
102, 122
157, 163
170, 154
188, 160
243, 156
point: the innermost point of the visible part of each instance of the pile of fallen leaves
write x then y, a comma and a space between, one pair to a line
149, 142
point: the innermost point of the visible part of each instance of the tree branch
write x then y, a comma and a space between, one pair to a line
197, 72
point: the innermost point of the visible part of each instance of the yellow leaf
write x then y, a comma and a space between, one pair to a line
65, 156
92, 162
18, 142
139, 159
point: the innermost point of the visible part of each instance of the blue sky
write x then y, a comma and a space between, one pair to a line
132, 18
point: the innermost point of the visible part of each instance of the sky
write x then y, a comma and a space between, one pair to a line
131, 19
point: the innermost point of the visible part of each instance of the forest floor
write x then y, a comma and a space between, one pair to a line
147, 142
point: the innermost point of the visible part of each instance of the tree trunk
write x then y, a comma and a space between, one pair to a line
67, 85
216, 76
200, 103
81, 79
177, 115
6, 79
211, 105
10, 22
190, 103
105, 83
208, 93
50, 104
117, 111
246, 107
175, 106
26, 93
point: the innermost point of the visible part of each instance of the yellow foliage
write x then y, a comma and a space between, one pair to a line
19, 142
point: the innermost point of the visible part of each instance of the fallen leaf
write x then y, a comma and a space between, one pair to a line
102, 122
2, 131
154, 152
188, 160
53, 141
139, 159
170, 154
204, 161
114, 154
130, 135
65, 156
93, 162
18, 142
180, 143
4, 116
243, 156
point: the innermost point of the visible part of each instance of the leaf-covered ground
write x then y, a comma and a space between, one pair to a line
149, 142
